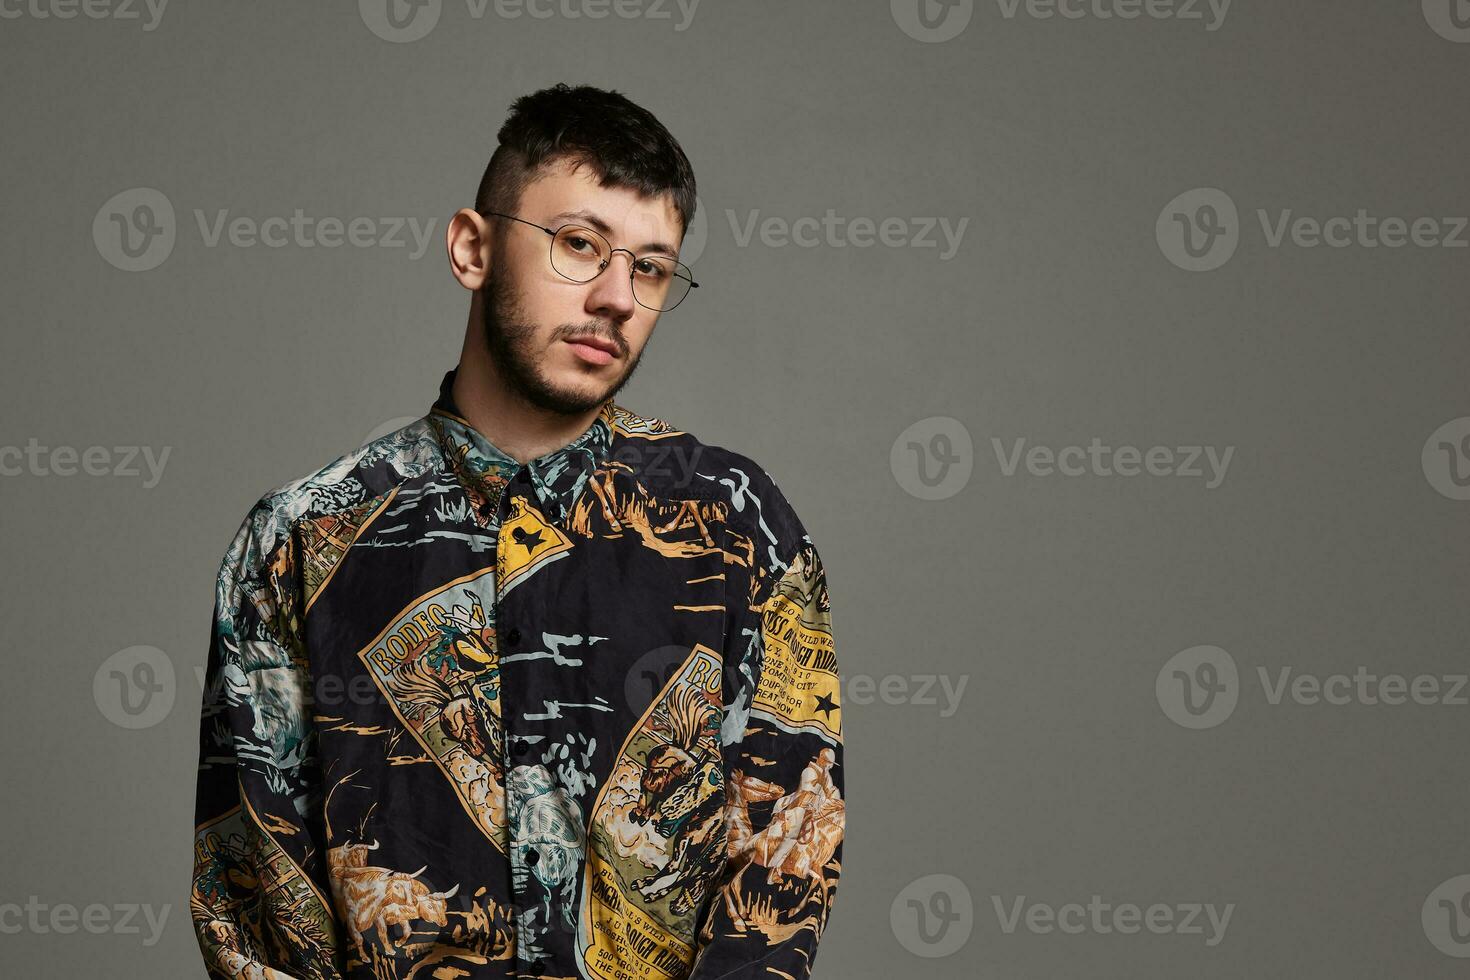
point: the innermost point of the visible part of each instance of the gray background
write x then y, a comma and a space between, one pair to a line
1057, 600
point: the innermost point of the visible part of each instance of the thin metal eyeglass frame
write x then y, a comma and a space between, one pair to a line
611, 252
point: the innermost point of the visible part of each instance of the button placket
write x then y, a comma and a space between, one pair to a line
517, 745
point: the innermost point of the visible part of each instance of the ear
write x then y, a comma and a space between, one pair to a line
468, 240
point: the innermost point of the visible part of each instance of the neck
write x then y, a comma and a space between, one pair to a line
513, 425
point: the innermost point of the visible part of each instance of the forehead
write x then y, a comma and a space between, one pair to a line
563, 195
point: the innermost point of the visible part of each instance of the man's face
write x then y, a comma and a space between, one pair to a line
533, 316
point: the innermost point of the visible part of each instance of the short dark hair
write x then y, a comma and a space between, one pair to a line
623, 143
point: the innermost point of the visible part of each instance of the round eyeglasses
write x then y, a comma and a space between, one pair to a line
580, 254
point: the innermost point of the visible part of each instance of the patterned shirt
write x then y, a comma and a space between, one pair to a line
467, 717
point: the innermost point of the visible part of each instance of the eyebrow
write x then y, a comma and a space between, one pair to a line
597, 224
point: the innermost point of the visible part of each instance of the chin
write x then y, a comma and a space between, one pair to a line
580, 379
575, 391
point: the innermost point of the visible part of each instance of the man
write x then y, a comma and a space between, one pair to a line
534, 686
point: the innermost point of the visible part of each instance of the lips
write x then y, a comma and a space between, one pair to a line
599, 343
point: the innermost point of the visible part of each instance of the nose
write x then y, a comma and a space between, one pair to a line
611, 295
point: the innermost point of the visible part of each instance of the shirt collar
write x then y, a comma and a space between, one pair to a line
557, 476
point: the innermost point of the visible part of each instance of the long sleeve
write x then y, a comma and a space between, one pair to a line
785, 811
256, 912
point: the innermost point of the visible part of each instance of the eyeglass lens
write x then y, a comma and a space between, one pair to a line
659, 282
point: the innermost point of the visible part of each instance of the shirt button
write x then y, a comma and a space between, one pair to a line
535, 968
523, 475
521, 747
512, 636
533, 856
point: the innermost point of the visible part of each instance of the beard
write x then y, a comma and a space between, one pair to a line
510, 336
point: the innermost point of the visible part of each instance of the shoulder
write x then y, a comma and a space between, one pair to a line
674, 463
351, 482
